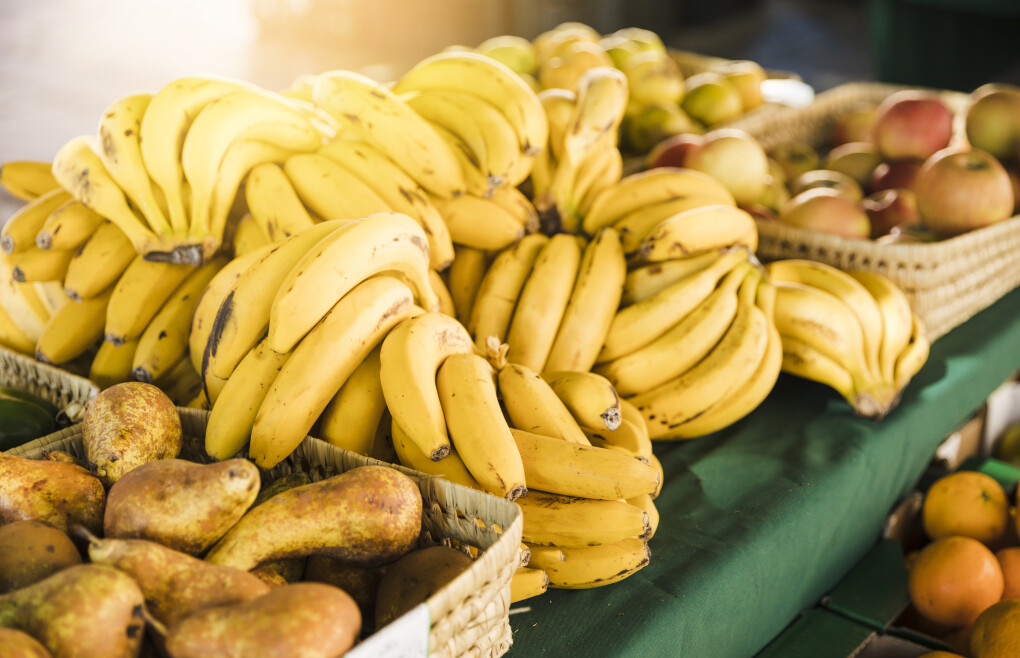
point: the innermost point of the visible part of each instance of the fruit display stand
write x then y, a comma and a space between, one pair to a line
762, 519
69, 392
468, 616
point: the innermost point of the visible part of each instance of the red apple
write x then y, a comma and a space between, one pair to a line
671, 151
735, 159
993, 120
959, 190
912, 125
853, 125
827, 211
760, 212
889, 209
889, 175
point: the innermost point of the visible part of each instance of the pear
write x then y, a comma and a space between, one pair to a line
175, 584
311, 620
180, 504
369, 516
414, 578
32, 550
360, 582
85, 611
55, 492
21, 645
287, 569
127, 425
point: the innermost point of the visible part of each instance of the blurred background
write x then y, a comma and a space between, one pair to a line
62, 61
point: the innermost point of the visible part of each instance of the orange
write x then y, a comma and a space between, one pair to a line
954, 579
966, 503
1009, 560
940, 654
996, 633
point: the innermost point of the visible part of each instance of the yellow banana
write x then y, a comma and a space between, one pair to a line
517, 204
803, 360
139, 294
533, 406
479, 223
235, 408
643, 282
330, 190
322, 362
592, 306
181, 383
72, 330
629, 438
559, 105
112, 363
446, 306
37, 264
567, 522
411, 355
21, 302
590, 398
594, 566
98, 263
249, 235
274, 203
569, 469
12, 337
541, 554
478, 430
51, 294
645, 502
497, 295
636, 225
68, 227
913, 356
451, 467
464, 278
527, 583
351, 418
896, 319
600, 171
19, 231
706, 228
639, 324
475, 180
27, 179
381, 243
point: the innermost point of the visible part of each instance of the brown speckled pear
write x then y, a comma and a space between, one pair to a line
414, 578
362, 583
85, 611
174, 583
31, 551
19, 644
180, 504
60, 494
369, 516
310, 620
128, 425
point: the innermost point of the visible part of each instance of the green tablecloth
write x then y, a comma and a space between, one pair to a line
759, 520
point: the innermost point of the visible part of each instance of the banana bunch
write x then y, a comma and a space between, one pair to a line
853, 331
27, 179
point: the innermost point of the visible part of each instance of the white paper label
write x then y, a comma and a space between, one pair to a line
405, 637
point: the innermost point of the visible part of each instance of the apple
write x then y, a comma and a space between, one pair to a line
564, 70
993, 120
650, 124
912, 125
827, 211
654, 77
889, 175
711, 99
959, 190
747, 77
517, 53
735, 159
889, 209
760, 212
795, 159
834, 180
775, 194
854, 125
857, 160
1014, 178
672, 151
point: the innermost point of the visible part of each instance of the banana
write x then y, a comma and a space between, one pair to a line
486, 78
913, 356
450, 467
274, 203
398, 190
599, 172
533, 406
475, 180
72, 330
112, 363
803, 360
639, 324
181, 383
479, 223
375, 113
51, 294
593, 566
682, 346
654, 186
139, 294
13, 337
330, 190
21, 302
27, 179
527, 583
381, 243
727, 366
235, 408
164, 341
569, 469
446, 306
464, 279
120, 150
592, 306
249, 235
645, 502
68, 227
567, 522
643, 282
705, 228
322, 362
351, 418
37, 264
541, 554
19, 231
244, 312
630, 438
559, 105
897, 319
79, 170
411, 355
635, 226
163, 130
478, 430
590, 398
98, 263
543, 302
500, 288
517, 204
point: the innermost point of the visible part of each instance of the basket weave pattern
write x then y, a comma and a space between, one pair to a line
68, 392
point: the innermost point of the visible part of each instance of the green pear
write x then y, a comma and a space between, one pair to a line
17, 644
86, 611
32, 550
181, 504
54, 492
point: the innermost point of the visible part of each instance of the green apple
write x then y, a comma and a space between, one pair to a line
517, 53
834, 180
712, 99
858, 160
993, 120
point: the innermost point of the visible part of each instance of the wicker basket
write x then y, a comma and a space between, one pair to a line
947, 282
68, 392
470, 615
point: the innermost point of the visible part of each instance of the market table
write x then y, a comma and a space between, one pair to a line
761, 519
